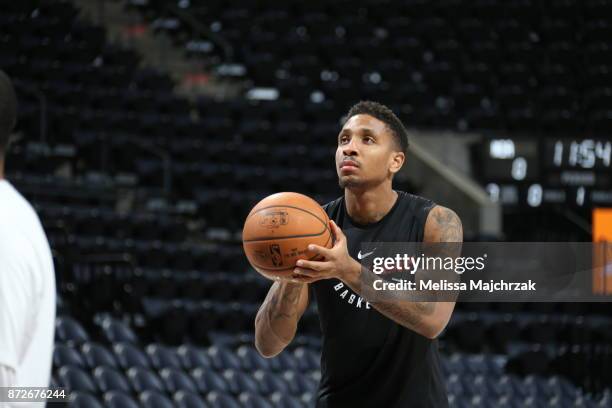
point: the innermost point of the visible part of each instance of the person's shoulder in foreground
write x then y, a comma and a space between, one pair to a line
27, 277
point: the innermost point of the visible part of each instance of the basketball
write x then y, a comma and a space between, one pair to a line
278, 230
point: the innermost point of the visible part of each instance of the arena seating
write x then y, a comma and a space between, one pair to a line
230, 372
156, 300
522, 65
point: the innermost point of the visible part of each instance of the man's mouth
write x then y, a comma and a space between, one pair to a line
348, 163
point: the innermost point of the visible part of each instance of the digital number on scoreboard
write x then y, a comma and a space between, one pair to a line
535, 171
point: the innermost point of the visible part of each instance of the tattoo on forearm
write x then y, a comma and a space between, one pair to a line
443, 226
393, 305
410, 313
284, 302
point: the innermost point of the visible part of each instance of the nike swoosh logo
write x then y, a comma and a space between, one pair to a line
361, 256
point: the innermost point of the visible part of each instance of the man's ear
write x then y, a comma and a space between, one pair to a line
397, 161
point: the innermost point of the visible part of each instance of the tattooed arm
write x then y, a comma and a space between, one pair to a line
425, 318
277, 318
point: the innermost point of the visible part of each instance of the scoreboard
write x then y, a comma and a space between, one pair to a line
536, 171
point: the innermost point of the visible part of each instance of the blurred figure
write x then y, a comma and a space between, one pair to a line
27, 277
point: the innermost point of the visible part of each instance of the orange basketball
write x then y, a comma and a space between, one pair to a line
279, 229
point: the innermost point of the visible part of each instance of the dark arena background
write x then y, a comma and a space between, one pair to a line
148, 129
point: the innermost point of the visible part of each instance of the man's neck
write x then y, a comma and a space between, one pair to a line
1, 168
370, 206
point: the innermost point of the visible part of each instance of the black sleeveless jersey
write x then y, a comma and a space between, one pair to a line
368, 360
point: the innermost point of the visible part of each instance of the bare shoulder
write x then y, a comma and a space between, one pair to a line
443, 225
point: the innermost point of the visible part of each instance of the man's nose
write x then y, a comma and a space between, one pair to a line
350, 149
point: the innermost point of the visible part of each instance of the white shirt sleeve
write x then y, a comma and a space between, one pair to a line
7, 376
15, 303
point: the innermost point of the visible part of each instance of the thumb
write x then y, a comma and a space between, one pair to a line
338, 234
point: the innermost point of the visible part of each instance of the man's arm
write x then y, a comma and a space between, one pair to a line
277, 318
428, 318
425, 318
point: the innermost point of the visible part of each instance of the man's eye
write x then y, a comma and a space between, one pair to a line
343, 140
368, 140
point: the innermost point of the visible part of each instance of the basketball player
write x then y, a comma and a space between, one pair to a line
27, 277
376, 353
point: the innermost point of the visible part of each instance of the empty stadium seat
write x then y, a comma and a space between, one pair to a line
67, 356
193, 357
283, 400
298, 383
76, 379
70, 331
143, 379
84, 400
239, 381
154, 399
269, 383
110, 379
129, 355
250, 400
96, 355
251, 359
207, 381
217, 399
175, 380
222, 358
186, 399
306, 359
118, 399
162, 357
115, 331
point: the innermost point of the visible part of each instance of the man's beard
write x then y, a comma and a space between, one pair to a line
347, 183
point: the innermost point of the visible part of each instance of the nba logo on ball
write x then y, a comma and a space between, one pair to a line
277, 258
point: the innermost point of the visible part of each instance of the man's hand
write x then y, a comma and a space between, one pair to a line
336, 263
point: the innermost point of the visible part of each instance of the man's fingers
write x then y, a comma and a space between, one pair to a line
296, 278
293, 278
300, 276
314, 265
319, 250
305, 272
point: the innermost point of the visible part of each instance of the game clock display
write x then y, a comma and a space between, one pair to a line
586, 154
535, 171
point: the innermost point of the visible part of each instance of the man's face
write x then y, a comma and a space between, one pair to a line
367, 154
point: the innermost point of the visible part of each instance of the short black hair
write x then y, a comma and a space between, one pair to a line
8, 111
385, 115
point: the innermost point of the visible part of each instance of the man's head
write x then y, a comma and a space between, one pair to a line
372, 146
8, 111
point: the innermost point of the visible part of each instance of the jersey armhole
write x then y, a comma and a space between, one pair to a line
426, 210
332, 207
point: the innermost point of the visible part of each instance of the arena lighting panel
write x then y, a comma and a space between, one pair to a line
530, 171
